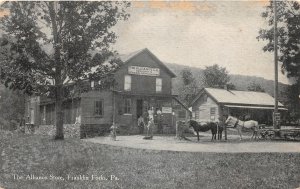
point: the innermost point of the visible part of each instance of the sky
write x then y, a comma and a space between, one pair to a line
200, 34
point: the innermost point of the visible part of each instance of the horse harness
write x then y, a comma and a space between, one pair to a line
236, 123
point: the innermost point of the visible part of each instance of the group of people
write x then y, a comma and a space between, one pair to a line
149, 125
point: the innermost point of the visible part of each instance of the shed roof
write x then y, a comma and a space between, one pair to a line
239, 97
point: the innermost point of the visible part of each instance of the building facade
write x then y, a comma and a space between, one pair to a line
143, 82
213, 104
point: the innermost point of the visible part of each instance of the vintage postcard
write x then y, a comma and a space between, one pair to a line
150, 94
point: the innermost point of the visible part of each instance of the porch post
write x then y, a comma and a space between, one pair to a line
225, 126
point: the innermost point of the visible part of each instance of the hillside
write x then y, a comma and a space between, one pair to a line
240, 81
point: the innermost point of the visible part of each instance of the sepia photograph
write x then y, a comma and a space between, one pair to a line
150, 94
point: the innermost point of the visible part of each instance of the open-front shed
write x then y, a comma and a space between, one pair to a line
212, 104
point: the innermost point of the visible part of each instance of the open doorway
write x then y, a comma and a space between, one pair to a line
139, 108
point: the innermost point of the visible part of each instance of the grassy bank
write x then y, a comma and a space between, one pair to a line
27, 155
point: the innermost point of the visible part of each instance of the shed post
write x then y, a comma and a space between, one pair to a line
225, 126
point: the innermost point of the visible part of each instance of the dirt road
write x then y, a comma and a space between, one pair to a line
232, 145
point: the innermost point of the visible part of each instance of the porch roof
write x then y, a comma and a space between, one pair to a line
255, 107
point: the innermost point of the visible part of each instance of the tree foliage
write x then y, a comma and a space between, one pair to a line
190, 88
288, 31
231, 86
11, 108
293, 103
187, 76
50, 44
255, 87
215, 76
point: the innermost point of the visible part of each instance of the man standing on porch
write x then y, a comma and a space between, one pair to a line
151, 113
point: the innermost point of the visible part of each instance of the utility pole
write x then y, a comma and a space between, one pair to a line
276, 126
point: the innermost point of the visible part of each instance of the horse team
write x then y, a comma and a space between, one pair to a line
217, 128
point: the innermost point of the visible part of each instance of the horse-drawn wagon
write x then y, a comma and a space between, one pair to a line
284, 133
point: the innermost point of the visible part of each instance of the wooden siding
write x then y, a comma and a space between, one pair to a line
140, 83
88, 100
203, 107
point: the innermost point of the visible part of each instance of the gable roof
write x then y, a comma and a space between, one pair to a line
125, 58
238, 97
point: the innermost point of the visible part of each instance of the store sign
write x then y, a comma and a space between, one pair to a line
137, 70
276, 116
166, 110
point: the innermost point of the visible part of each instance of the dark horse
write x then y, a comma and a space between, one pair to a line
215, 128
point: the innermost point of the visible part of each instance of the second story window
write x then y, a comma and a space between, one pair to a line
158, 84
127, 83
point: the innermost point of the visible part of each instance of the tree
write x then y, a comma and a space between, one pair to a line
51, 44
190, 88
187, 76
215, 76
231, 86
288, 31
11, 108
255, 87
293, 102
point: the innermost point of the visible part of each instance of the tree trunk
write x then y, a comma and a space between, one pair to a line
59, 113
58, 76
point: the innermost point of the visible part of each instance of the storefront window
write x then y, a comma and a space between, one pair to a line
127, 106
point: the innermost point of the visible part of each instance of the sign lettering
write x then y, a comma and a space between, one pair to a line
277, 116
137, 70
166, 110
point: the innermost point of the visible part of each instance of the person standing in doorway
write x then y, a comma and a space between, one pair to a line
141, 124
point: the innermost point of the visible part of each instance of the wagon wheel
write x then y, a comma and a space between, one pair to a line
296, 135
271, 134
263, 134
